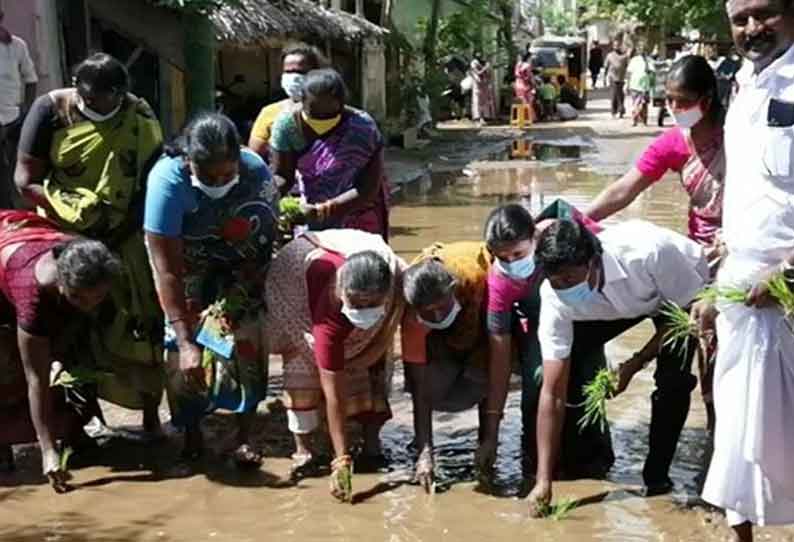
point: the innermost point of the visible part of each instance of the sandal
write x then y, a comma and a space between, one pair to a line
304, 465
245, 457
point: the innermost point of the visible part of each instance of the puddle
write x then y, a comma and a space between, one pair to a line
528, 149
130, 497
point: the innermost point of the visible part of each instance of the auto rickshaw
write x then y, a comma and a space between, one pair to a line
562, 55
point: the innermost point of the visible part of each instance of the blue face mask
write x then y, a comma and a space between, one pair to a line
518, 269
576, 295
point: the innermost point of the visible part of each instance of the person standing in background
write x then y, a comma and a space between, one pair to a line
17, 91
483, 102
524, 85
297, 60
596, 62
616, 65
641, 81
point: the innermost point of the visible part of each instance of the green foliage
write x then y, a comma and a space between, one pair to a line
79, 376
557, 511
780, 289
289, 208
707, 16
679, 326
558, 22
460, 32
63, 462
195, 6
596, 393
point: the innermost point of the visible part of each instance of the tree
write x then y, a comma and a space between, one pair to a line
505, 10
708, 16
556, 21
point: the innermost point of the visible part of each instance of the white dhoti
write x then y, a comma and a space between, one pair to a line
752, 471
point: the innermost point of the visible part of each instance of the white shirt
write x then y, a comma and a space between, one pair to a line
16, 70
758, 209
644, 267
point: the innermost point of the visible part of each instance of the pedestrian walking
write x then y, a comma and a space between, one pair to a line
595, 63
641, 81
616, 65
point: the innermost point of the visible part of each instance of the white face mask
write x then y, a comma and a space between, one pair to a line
364, 318
292, 83
689, 118
92, 115
446, 322
214, 192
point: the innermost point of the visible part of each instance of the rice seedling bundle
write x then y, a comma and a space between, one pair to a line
596, 393
557, 511
290, 209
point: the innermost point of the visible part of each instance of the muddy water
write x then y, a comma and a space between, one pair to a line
135, 495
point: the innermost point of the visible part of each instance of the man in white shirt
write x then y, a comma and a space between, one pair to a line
751, 474
17, 91
601, 287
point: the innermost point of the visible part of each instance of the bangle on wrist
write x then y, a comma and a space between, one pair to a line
341, 461
324, 210
494, 412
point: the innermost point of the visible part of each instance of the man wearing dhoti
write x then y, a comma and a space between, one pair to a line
752, 472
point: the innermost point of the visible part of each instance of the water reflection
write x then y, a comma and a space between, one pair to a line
529, 149
447, 207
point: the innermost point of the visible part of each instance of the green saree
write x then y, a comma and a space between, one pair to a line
95, 187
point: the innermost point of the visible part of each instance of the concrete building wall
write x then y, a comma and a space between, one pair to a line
254, 65
373, 77
36, 21
155, 29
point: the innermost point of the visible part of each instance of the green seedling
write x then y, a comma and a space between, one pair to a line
596, 393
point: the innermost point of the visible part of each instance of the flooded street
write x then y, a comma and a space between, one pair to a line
135, 495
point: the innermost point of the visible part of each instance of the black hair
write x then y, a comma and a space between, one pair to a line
210, 138
102, 73
509, 223
561, 79
325, 82
427, 282
566, 243
694, 74
85, 263
312, 54
547, 78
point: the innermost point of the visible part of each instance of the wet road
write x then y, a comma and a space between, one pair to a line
135, 495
